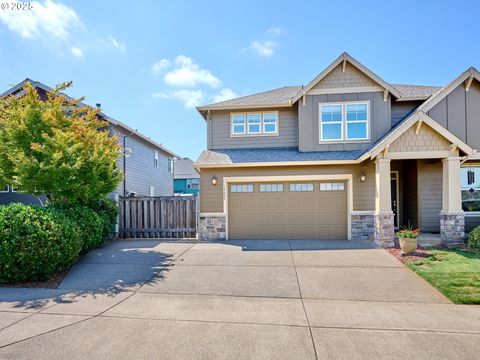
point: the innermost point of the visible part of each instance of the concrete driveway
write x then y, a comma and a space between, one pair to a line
237, 300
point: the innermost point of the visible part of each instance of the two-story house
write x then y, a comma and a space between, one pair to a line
147, 166
348, 156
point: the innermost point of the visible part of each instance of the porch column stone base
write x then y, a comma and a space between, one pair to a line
452, 227
212, 228
384, 230
363, 227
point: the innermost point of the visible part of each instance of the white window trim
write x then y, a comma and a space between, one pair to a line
259, 124
367, 122
276, 122
344, 129
262, 132
5, 191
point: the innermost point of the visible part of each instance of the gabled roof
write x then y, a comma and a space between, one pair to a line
411, 120
277, 97
18, 88
184, 169
346, 57
468, 75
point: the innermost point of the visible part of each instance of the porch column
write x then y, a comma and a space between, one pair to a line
384, 218
452, 217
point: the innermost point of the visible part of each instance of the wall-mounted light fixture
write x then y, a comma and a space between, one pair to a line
363, 177
214, 180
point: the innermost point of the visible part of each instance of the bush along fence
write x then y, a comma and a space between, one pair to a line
37, 242
158, 217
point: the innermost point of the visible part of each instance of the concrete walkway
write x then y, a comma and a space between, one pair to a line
237, 300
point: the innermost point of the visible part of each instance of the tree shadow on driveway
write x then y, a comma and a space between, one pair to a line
116, 267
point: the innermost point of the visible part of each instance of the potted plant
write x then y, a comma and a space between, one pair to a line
408, 239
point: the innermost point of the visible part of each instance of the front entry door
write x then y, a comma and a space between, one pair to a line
394, 192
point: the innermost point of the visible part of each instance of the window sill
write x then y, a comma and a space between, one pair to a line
253, 135
323, 142
472, 213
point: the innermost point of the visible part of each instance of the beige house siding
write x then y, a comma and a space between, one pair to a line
429, 194
352, 77
211, 196
218, 129
426, 140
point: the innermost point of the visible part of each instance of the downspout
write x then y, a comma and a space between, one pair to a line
125, 163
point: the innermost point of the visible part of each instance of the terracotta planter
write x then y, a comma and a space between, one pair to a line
408, 246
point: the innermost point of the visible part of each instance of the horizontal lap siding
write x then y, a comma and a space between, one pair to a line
219, 131
141, 172
211, 196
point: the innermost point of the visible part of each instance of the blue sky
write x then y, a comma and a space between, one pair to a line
150, 62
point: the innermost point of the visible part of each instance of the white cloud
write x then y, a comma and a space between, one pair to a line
189, 98
77, 52
274, 30
117, 44
224, 94
188, 74
50, 19
160, 65
263, 49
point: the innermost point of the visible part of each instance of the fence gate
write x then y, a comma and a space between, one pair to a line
158, 217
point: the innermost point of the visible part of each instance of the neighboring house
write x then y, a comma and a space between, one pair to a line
348, 156
147, 167
186, 178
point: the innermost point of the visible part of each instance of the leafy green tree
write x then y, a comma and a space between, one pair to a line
57, 147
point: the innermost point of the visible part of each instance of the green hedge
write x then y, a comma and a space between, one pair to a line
88, 222
474, 238
35, 243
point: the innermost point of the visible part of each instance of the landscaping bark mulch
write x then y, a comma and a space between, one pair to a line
420, 254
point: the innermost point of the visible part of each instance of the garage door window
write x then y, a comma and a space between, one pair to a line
244, 188
332, 186
271, 187
301, 187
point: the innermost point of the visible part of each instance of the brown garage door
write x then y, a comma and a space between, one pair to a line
284, 210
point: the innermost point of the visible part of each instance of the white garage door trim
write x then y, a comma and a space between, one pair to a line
290, 178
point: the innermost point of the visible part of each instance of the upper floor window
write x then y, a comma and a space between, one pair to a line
344, 122
155, 158
170, 165
254, 123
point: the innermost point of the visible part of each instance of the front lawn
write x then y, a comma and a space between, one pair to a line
455, 273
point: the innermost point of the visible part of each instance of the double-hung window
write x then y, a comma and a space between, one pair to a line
238, 124
357, 121
254, 123
331, 118
155, 158
344, 122
270, 123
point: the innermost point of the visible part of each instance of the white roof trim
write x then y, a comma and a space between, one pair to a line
346, 57
407, 124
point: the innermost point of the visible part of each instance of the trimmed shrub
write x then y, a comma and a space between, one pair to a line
88, 223
474, 238
108, 211
35, 243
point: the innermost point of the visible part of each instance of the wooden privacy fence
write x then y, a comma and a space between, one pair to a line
158, 217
